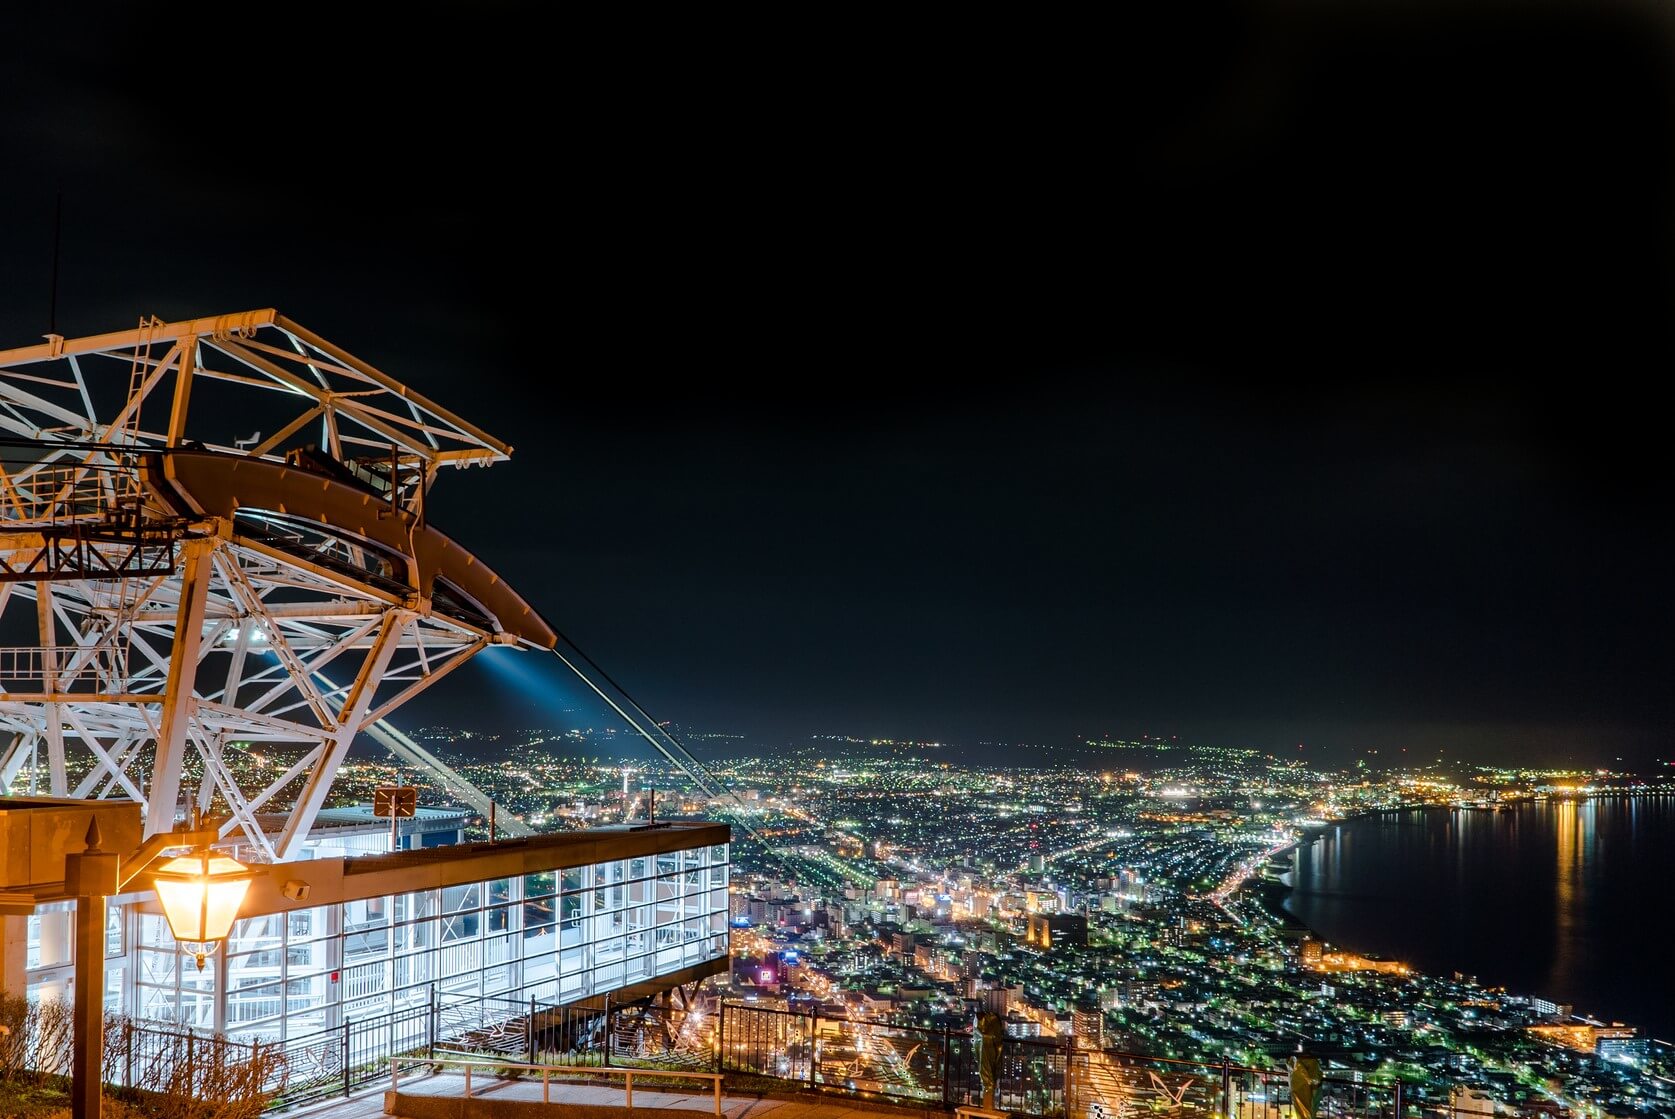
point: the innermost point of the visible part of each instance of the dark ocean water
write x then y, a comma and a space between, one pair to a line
1571, 901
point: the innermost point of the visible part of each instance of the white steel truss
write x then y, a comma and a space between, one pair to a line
187, 616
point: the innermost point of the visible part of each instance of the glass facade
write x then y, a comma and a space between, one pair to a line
554, 936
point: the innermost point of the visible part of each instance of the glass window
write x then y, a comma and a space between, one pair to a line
116, 939
253, 1004
456, 899
498, 891
306, 957
538, 916
371, 913
304, 924
512, 938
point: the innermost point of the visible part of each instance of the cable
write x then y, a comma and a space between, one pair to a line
711, 785
644, 714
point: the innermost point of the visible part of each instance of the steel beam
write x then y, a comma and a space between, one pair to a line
178, 701
337, 746
93, 529
216, 326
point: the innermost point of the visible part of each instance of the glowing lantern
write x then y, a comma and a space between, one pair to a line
201, 894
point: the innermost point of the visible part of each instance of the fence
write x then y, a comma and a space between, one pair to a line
224, 1076
1035, 1076
1046, 1078
546, 1073
316, 1066
906, 1062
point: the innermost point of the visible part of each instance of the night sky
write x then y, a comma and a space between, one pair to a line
1270, 376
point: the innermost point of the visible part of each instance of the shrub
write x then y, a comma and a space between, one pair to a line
168, 1072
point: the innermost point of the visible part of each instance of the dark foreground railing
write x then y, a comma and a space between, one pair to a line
759, 1047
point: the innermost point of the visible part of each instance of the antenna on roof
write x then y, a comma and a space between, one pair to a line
57, 230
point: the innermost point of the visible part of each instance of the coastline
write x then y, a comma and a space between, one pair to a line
1271, 893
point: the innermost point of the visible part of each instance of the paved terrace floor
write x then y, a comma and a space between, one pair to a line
369, 1104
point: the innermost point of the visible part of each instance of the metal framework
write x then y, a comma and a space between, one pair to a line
189, 615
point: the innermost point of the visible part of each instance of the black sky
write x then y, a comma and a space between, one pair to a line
1268, 374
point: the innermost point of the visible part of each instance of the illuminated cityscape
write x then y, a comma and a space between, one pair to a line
886, 883
1061, 572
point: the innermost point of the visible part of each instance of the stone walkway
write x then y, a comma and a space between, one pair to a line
370, 1104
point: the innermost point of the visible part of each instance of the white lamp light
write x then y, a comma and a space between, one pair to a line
201, 894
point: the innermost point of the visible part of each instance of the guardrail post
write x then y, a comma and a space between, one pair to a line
346, 1059
628, 1086
606, 1060
432, 1023
1069, 1074
468, 1080
947, 1087
545, 1085
529, 1028
718, 1095
720, 1032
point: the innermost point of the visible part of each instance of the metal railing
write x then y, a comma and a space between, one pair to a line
548, 1072
1045, 1078
60, 668
188, 1063
920, 1064
46, 494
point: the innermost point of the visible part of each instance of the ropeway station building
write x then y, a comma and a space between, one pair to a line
623, 911
214, 541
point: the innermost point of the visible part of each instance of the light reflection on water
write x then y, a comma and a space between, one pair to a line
1568, 900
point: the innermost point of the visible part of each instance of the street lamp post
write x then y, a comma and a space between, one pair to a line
90, 877
200, 894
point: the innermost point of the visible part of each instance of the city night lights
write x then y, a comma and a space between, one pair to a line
870, 563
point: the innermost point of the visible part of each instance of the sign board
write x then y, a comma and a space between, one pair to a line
399, 801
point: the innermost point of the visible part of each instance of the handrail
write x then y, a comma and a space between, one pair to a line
1045, 1043
628, 1074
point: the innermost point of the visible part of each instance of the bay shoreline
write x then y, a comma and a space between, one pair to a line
1272, 893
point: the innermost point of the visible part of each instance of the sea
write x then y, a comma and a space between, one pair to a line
1570, 900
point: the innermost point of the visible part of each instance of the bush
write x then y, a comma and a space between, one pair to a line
168, 1072
35, 1040
173, 1073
